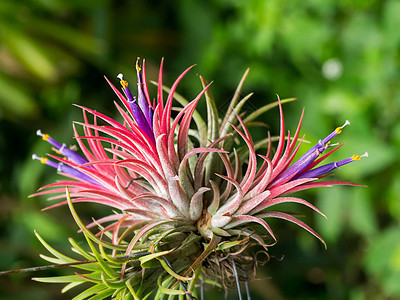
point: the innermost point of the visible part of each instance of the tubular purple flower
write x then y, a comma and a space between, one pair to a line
137, 112
141, 120
322, 170
72, 155
309, 157
63, 149
48, 139
125, 88
321, 145
65, 169
337, 131
144, 106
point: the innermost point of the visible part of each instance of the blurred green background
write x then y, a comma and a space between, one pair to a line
340, 58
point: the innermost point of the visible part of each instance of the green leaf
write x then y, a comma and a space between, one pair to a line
172, 272
80, 250
102, 295
87, 232
110, 258
90, 291
52, 259
226, 128
57, 254
234, 100
112, 284
60, 279
133, 293
265, 108
212, 114
227, 245
104, 265
149, 257
168, 291
70, 286
192, 238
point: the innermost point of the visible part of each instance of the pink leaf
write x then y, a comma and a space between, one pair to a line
287, 217
271, 202
252, 203
232, 204
239, 220
282, 135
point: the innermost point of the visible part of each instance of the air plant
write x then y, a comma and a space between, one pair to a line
191, 197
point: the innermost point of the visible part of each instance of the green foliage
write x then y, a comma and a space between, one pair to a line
119, 275
147, 271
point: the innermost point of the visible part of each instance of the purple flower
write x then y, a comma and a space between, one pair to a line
141, 110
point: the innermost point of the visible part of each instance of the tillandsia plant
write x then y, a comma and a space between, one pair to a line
191, 200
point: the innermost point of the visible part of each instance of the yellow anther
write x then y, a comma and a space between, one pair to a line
138, 68
339, 129
43, 160
45, 137
356, 157
124, 84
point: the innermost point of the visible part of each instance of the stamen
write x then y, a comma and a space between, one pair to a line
322, 170
326, 145
339, 129
346, 123
63, 149
43, 160
358, 157
60, 167
65, 169
334, 133
122, 81
138, 68
140, 109
46, 137
125, 88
